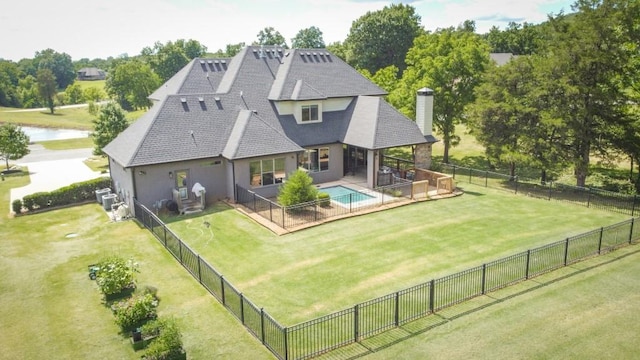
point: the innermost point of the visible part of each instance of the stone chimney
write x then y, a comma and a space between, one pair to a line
424, 119
424, 111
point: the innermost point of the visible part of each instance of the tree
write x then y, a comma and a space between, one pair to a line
269, 36
509, 119
451, 62
386, 78
309, 38
167, 59
28, 92
382, 38
230, 50
111, 122
93, 94
298, 189
131, 82
74, 94
338, 49
60, 65
10, 74
47, 87
518, 39
14, 143
587, 68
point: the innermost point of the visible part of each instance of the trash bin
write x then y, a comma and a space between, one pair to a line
100, 193
108, 200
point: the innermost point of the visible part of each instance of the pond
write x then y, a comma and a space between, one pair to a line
37, 134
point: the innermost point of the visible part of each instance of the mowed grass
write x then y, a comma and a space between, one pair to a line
69, 118
314, 272
585, 311
50, 309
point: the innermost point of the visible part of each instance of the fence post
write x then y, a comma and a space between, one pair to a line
286, 344
566, 251
315, 211
454, 171
199, 270
526, 276
356, 329
262, 325
486, 179
283, 218
550, 184
633, 208
432, 295
242, 308
631, 231
254, 202
517, 183
350, 201
224, 302
600, 241
484, 278
397, 310
588, 196
270, 211
164, 232
180, 250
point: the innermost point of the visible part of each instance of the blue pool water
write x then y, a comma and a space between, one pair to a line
344, 195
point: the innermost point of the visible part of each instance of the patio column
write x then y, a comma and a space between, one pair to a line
372, 168
422, 158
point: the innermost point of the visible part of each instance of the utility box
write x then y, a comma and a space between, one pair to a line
100, 193
108, 200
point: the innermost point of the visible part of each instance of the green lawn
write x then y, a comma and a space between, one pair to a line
73, 118
50, 309
314, 272
100, 84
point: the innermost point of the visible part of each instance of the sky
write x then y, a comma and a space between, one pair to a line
102, 28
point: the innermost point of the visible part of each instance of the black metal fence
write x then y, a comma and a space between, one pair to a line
586, 196
319, 210
318, 336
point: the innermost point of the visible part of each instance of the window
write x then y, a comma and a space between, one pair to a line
266, 172
310, 113
314, 160
182, 182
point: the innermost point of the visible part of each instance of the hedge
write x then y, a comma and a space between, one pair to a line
72, 194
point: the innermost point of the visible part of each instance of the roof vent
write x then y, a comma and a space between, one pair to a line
201, 61
201, 99
209, 61
217, 98
216, 61
223, 61
183, 100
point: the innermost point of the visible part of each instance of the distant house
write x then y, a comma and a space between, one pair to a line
502, 58
91, 74
253, 119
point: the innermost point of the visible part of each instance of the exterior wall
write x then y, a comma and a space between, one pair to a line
243, 177
293, 107
154, 183
336, 165
122, 182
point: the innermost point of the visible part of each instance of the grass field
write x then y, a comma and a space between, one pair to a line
69, 118
314, 272
50, 309
99, 84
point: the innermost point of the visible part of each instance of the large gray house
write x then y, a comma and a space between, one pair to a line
253, 119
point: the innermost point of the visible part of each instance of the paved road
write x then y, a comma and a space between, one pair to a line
52, 169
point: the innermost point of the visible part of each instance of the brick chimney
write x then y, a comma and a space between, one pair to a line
424, 119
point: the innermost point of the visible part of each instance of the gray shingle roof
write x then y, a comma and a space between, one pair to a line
215, 107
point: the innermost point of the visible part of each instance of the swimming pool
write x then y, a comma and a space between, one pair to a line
345, 195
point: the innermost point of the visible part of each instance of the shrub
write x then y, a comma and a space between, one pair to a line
115, 275
298, 189
74, 193
168, 344
133, 312
324, 199
16, 206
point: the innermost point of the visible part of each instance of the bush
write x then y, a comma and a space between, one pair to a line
72, 194
168, 344
133, 312
298, 189
114, 275
16, 206
324, 199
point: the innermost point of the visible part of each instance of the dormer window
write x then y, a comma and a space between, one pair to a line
310, 113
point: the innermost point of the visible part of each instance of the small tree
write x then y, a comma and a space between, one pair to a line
111, 122
14, 143
298, 189
47, 87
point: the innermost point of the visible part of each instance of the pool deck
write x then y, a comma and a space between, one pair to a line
355, 183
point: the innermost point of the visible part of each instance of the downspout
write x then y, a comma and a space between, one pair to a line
233, 174
133, 181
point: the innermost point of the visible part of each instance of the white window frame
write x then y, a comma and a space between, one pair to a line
300, 109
